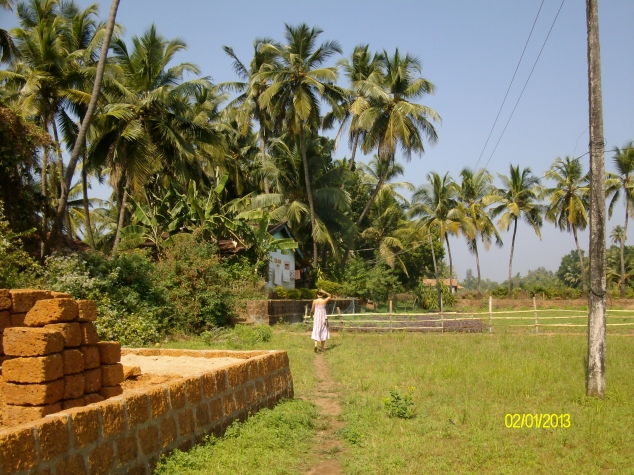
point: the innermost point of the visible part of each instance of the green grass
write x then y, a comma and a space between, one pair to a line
464, 385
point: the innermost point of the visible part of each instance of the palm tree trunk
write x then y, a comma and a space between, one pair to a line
84, 185
309, 193
450, 260
354, 152
475, 251
595, 375
627, 212
263, 152
583, 268
120, 222
511, 259
83, 130
45, 208
433, 258
62, 183
375, 192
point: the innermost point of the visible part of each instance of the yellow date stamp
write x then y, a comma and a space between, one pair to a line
537, 421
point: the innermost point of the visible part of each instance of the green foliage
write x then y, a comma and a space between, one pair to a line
331, 287
308, 293
399, 404
254, 446
428, 296
368, 280
280, 292
17, 268
293, 294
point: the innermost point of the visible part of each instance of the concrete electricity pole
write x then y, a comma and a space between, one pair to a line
595, 376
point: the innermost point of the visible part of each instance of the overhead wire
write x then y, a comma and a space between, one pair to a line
526, 83
511, 83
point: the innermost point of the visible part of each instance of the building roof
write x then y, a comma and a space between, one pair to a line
432, 282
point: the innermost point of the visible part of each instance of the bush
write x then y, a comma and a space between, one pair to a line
400, 405
331, 287
280, 292
368, 281
308, 293
428, 296
293, 294
17, 268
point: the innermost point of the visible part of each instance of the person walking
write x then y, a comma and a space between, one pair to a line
320, 319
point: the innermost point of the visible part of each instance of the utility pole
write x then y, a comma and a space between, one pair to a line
595, 376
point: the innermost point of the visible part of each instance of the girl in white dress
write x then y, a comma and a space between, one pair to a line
320, 323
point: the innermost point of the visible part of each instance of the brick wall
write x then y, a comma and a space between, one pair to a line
290, 311
126, 434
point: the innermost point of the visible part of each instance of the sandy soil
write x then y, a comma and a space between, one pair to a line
178, 366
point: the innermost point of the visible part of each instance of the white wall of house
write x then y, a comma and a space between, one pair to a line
281, 270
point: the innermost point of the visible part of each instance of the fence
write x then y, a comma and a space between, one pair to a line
499, 321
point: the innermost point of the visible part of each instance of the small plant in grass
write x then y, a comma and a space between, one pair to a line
400, 404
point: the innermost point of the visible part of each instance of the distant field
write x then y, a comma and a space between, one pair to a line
464, 386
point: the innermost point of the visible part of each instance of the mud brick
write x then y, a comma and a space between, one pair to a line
101, 459
34, 370
72, 465
192, 388
5, 299
84, 426
168, 431
111, 391
70, 331
34, 394
60, 295
5, 320
149, 440
109, 352
112, 418
131, 371
138, 411
89, 334
92, 379
17, 319
91, 356
127, 450
15, 415
73, 361
54, 436
87, 310
18, 450
51, 311
71, 403
32, 341
93, 398
111, 374
74, 385
22, 300
177, 394
159, 402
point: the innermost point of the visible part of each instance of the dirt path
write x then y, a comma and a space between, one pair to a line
327, 447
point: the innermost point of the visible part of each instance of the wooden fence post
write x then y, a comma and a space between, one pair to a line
490, 314
535, 313
340, 319
390, 315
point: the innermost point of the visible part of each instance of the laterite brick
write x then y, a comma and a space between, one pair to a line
34, 394
74, 385
209, 384
71, 332
32, 341
17, 319
92, 380
186, 422
101, 459
60, 295
54, 435
221, 380
159, 402
111, 374
5, 320
228, 405
177, 394
72, 465
15, 415
168, 431
89, 334
18, 450
202, 416
215, 405
87, 310
110, 391
22, 300
149, 440
91, 356
192, 387
85, 425
93, 398
127, 449
72, 403
34, 370
51, 311
138, 409
5, 299
112, 418
109, 352
73, 361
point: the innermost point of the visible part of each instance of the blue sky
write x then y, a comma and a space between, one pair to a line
469, 50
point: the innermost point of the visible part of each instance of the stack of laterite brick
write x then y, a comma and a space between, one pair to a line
53, 357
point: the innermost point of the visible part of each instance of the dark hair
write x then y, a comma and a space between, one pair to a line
320, 293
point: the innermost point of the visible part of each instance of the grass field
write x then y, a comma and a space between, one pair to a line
464, 385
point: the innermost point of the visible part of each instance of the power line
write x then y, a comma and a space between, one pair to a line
509, 88
526, 83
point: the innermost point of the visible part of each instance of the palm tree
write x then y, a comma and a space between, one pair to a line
362, 68
297, 87
247, 104
8, 51
476, 190
517, 199
392, 118
622, 182
568, 201
437, 208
